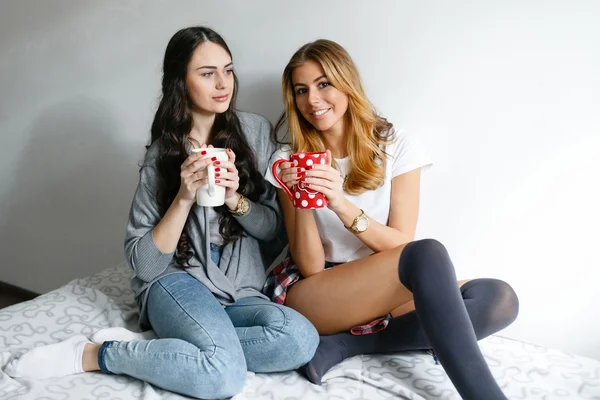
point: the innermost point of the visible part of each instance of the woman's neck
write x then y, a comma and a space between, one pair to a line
335, 140
201, 127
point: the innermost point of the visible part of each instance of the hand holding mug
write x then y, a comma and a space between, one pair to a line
226, 174
301, 195
211, 189
325, 179
290, 174
193, 175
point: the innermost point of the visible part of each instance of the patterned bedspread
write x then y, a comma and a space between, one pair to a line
524, 371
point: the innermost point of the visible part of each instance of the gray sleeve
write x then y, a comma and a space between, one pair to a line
263, 220
141, 253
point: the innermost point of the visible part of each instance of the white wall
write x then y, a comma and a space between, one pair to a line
506, 96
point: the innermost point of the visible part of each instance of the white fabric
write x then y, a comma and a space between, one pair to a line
120, 334
83, 306
50, 361
405, 154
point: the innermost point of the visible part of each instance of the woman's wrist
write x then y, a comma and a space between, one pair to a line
303, 212
232, 201
347, 212
242, 206
183, 203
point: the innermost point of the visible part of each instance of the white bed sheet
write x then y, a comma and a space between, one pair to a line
85, 305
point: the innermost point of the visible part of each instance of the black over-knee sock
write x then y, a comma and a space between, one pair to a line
426, 270
491, 306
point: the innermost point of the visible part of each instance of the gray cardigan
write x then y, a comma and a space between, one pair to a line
241, 270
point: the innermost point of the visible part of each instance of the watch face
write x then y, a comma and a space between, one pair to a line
362, 224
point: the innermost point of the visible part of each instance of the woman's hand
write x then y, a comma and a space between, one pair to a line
290, 174
193, 175
226, 174
323, 178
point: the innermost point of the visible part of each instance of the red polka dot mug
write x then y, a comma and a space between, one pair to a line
300, 195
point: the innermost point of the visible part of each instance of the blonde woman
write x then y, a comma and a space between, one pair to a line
356, 272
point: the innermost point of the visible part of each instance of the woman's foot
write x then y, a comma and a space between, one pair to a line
331, 351
50, 361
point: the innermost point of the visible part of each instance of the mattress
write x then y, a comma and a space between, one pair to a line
524, 371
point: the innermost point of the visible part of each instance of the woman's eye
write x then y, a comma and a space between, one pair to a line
207, 74
324, 84
301, 91
229, 71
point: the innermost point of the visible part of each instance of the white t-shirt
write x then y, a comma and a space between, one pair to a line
340, 245
213, 218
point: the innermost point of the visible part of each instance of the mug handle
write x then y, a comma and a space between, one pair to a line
211, 180
283, 185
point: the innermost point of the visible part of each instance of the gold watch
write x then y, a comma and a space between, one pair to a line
242, 207
360, 224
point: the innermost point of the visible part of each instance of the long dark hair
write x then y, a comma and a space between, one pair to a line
172, 125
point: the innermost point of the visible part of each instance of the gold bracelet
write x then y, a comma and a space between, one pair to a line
239, 208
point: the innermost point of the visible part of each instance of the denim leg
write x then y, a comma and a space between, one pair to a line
274, 337
215, 253
198, 353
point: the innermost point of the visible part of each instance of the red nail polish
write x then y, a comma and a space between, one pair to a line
217, 169
217, 174
218, 162
217, 181
203, 152
229, 150
213, 159
299, 169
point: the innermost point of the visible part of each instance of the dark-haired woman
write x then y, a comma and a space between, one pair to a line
199, 271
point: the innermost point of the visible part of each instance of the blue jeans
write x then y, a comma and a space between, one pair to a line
205, 349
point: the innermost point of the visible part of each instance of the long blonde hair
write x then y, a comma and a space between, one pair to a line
367, 133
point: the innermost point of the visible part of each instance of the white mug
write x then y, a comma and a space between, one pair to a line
211, 194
